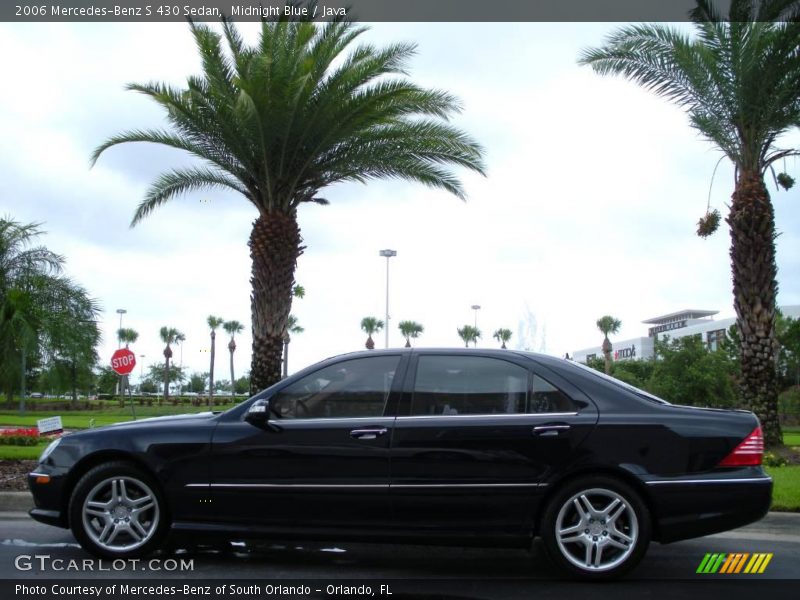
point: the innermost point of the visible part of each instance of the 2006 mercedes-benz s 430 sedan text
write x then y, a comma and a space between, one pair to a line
462, 447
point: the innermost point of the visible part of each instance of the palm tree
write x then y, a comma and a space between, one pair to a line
291, 327
738, 81
468, 334
371, 325
169, 335
129, 336
608, 324
213, 323
232, 328
410, 329
502, 335
278, 122
43, 315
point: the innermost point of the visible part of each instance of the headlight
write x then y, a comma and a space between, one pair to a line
49, 450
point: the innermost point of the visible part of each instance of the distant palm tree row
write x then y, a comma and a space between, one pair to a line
170, 336
411, 330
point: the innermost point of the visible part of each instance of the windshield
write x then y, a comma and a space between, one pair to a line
620, 383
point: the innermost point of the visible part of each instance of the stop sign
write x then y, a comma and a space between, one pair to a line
123, 361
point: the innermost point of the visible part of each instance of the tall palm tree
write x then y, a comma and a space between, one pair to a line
409, 330
232, 328
468, 334
213, 323
502, 335
169, 335
292, 326
738, 79
371, 325
129, 336
608, 325
278, 122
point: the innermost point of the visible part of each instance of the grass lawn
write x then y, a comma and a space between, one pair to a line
82, 419
791, 439
22, 452
786, 493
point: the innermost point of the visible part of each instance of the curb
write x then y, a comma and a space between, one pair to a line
16, 501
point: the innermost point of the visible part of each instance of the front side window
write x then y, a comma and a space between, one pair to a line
352, 388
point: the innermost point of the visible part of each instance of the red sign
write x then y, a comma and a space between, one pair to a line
123, 361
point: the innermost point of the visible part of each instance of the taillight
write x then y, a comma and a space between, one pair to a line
748, 453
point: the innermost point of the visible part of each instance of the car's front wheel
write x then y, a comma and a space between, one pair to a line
117, 511
596, 528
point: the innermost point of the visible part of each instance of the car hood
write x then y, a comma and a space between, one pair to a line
149, 422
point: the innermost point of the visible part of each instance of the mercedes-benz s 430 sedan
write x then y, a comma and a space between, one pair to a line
462, 447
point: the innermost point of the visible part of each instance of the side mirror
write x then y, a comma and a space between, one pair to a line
258, 415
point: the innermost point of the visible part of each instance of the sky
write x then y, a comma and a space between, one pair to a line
589, 207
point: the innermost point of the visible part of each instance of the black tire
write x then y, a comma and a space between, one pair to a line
117, 511
603, 540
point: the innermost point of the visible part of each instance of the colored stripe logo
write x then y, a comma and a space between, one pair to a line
731, 564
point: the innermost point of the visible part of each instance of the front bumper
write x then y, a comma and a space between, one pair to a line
47, 497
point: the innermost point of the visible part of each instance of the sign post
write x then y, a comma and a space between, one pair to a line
122, 362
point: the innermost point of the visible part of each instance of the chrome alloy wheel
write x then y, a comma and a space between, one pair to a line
596, 529
120, 513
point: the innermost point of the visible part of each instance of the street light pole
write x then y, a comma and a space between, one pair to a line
476, 308
120, 312
120, 388
388, 254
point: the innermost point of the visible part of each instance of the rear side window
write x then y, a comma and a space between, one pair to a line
474, 385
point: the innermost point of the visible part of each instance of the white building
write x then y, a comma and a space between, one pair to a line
674, 325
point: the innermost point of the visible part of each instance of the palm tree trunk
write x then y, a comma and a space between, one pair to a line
211, 369
274, 250
752, 223
231, 349
167, 356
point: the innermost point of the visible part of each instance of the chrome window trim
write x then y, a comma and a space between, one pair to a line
289, 486
489, 415
382, 420
760, 480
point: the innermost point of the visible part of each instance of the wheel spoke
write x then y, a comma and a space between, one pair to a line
598, 557
573, 538
613, 516
105, 535
588, 508
123, 491
115, 491
616, 533
137, 527
142, 504
101, 513
608, 509
570, 530
616, 544
588, 560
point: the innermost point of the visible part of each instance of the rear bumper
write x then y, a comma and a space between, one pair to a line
692, 507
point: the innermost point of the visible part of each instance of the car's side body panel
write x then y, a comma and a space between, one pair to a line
448, 478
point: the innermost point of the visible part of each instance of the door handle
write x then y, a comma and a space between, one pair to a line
550, 430
368, 434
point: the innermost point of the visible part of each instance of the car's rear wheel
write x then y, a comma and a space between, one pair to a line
117, 511
596, 528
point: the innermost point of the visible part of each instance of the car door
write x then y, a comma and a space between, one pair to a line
477, 438
324, 459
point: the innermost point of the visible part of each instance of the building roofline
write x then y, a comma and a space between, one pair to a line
687, 313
